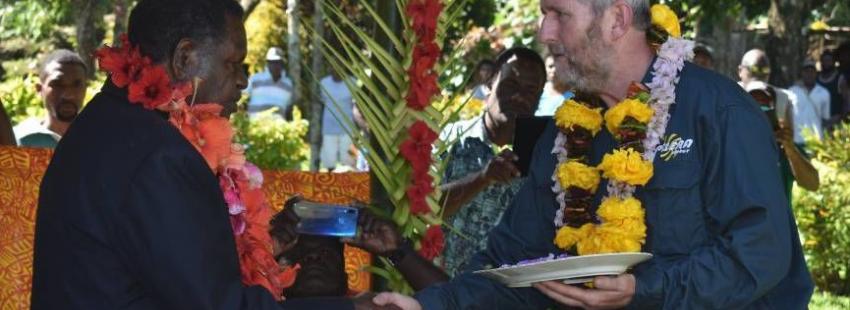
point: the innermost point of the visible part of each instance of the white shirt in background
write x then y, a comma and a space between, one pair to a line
810, 110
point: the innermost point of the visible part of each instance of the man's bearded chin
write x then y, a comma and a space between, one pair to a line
66, 112
587, 68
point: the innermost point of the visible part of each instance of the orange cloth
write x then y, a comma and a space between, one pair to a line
21, 171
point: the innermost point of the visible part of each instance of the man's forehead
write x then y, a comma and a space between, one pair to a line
546, 5
57, 70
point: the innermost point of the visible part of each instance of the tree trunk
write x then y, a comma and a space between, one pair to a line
788, 39
317, 110
86, 27
293, 42
120, 10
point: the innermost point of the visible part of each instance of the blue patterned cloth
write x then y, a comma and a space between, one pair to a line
469, 227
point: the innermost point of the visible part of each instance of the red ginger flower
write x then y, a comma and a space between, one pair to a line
152, 89
432, 243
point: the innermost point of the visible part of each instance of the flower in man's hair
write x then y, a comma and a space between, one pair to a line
152, 89
665, 18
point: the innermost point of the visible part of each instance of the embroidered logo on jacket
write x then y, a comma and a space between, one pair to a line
673, 146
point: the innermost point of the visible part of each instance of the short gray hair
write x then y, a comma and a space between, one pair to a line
642, 19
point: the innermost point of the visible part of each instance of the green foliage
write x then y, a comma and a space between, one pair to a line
514, 23
824, 216
32, 20
266, 27
273, 143
20, 99
826, 301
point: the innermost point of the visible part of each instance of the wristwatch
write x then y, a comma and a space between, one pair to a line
404, 249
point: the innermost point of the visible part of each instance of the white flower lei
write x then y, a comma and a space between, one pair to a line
671, 59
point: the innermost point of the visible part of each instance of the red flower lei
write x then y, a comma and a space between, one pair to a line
424, 15
212, 136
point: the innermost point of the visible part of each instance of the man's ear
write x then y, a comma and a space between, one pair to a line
623, 15
38, 87
185, 61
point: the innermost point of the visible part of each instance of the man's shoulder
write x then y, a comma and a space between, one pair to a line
113, 131
708, 88
821, 91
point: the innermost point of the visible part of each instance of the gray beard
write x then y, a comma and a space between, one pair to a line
591, 72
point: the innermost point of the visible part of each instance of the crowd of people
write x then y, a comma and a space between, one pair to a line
723, 232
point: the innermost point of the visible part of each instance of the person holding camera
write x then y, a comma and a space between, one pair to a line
778, 105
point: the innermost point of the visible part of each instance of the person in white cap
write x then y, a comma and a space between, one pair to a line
270, 88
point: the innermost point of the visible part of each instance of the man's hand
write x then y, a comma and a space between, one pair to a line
501, 169
398, 300
785, 136
377, 236
282, 227
365, 302
608, 292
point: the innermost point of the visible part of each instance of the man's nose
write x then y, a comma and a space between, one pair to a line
547, 33
241, 80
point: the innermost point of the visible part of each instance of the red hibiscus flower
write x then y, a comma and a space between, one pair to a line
416, 194
424, 14
152, 89
417, 148
425, 56
432, 243
422, 88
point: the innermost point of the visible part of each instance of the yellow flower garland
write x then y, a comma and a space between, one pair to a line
622, 230
627, 166
627, 108
664, 17
572, 113
574, 173
622, 227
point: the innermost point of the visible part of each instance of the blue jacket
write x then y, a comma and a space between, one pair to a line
131, 217
718, 221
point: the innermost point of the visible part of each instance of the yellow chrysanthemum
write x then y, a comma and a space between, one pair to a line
664, 17
626, 166
629, 229
627, 108
573, 173
572, 113
615, 209
597, 243
611, 238
568, 236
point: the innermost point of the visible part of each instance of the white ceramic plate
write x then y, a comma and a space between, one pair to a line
575, 269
